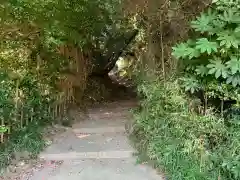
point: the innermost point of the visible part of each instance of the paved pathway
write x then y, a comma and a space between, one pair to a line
95, 149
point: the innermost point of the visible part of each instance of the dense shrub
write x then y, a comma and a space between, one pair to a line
212, 58
31, 32
185, 144
77, 21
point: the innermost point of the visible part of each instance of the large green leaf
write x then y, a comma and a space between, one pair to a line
228, 39
234, 64
206, 46
234, 80
237, 29
190, 83
218, 68
201, 70
180, 51
231, 15
203, 23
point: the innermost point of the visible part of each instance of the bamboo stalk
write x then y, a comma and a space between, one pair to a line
16, 99
64, 108
201, 153
32, 110
21, 119
2, 134
77, 60
56, 111
222, 107
61, 108
53, 112
162, 56
2, 138
205, 103
49, 109
27, 120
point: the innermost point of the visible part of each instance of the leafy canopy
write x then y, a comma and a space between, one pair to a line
75, 21
214, 55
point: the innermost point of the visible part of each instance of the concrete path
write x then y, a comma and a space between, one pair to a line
95, 149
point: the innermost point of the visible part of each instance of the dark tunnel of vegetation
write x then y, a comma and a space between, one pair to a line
105, 60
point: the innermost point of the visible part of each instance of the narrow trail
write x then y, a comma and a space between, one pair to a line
95, 149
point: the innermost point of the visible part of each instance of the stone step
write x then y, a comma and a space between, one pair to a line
100, 123
109, 116
100, 130
88, 155
98, 169
101, 126
115, 106
83, 142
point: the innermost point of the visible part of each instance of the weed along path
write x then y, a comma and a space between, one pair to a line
95, 149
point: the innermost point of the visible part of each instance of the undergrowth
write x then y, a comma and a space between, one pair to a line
187, 145
211, 58
33, 86
28, 139
194, 140
24, 113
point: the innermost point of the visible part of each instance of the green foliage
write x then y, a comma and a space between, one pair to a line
23, 116
205, 46
214, 56
77, 21
30, 33
28, 139
4, 129
186, 145
191, 84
